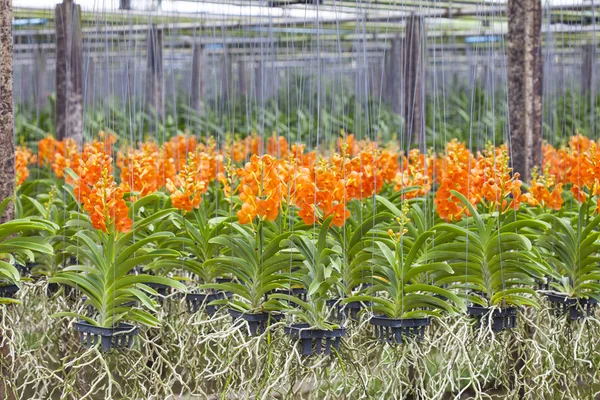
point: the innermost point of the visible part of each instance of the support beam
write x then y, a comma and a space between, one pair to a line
154, 74
254, 21
197, 89
413, 79
69, 72
525, 84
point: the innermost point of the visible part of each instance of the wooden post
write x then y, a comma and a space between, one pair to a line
525, 84
197, 77
472, 64
243, 87
385, 90
274, 74
375, 80
587, 68
39, 79
69, 67
361, 78
258, 82
90, 81
394, 74
226, 75
588, 82
130, 77
414, 81
154, 73
266, 82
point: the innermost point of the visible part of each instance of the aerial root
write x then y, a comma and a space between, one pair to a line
202, 357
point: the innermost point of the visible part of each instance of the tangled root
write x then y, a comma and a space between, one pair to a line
194, 356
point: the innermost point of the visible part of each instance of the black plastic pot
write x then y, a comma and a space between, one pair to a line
300, 293
195, 300
137, 270
9, 291
575, 308
363, 286
161, 289
337, 309
68, 292
543, 284
502, 318
25, 270
257, 323
352, 309
52, 289
391, 330
315, 341
119, 338
341, 311
225, 280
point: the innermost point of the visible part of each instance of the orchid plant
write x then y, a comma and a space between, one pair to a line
108, 246
405, 273
20, 240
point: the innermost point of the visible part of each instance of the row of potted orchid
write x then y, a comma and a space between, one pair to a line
312, 239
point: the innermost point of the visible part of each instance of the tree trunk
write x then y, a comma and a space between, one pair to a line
7, 163
154, 74
525, 84
69, 72
414, 82
7, 136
